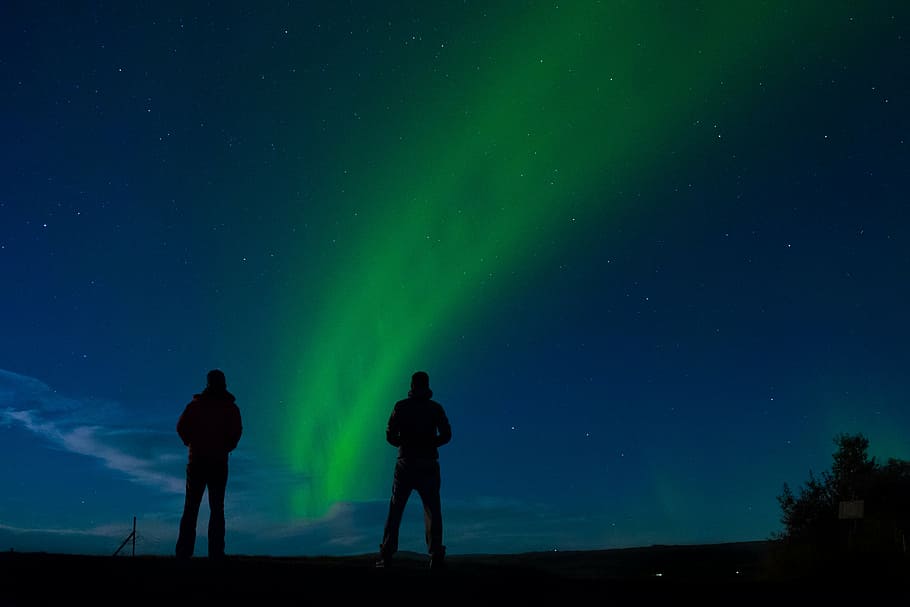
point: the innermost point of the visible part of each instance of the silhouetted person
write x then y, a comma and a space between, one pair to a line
210, 426
417, 426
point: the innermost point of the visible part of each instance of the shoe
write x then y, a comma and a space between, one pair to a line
438, 559
385, 560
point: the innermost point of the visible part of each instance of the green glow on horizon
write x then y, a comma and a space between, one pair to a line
575, 103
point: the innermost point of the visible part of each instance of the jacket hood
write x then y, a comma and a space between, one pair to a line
423, 393
215, 395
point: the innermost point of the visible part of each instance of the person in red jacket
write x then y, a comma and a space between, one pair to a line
211, 427
417, 426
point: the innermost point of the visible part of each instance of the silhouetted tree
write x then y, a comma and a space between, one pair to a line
852, 470
890, 498
812, 515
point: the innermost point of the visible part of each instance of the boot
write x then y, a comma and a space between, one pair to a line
438, 558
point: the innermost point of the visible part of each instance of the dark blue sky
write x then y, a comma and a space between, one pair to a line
707, 285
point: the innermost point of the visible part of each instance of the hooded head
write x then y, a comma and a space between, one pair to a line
420, 385
215, 381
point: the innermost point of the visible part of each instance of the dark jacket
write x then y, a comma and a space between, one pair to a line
210, 425
417, 426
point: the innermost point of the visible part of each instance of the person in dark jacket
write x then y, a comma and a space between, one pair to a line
211, 427
417, 426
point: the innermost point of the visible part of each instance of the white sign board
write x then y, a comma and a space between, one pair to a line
851, 510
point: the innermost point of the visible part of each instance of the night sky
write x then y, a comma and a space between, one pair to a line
653, 255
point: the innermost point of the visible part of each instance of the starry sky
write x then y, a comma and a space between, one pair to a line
653, 256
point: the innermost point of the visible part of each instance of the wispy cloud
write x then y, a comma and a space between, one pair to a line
76, 426
479, 525
147, 453
106, 531
153, 536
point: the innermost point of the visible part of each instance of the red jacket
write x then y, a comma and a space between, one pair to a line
210, 425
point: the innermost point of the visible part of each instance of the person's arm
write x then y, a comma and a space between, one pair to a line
185, 425
443, 427
392, 430
236, 428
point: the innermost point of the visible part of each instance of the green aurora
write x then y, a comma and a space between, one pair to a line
555, 110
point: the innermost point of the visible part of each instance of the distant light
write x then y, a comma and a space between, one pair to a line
658, 575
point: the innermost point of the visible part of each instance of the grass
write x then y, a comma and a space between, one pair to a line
753, 573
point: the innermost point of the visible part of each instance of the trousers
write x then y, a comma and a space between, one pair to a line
421, 475
202, 474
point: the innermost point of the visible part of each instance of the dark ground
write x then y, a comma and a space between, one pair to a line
730, 574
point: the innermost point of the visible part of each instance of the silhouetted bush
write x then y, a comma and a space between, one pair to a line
811, 517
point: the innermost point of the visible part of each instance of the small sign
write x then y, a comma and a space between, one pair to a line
851, 510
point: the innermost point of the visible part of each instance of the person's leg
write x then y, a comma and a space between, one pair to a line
195, 486
217, 484
428, 488
401, 491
